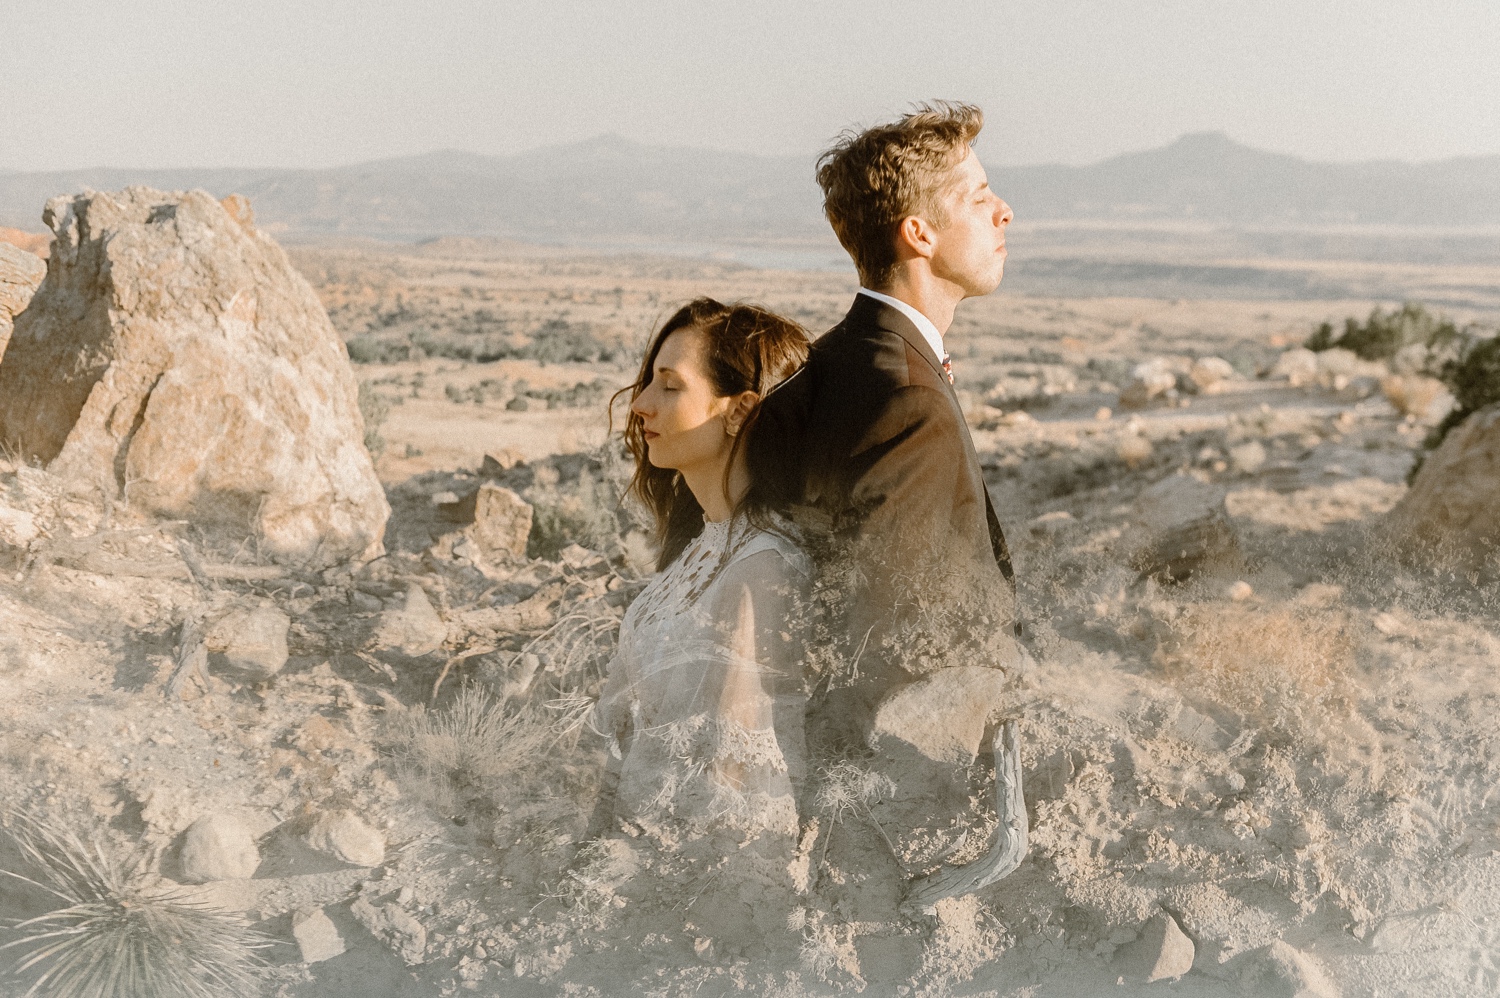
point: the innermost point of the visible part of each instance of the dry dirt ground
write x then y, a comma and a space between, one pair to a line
1292, 753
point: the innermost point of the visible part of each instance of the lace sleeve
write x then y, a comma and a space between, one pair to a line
759, 702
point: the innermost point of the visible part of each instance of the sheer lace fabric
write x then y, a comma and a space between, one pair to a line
704, 697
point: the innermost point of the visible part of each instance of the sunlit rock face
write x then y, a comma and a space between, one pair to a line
173, 357
1450, 517
20, 273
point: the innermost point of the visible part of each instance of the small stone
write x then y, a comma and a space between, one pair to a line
1104, 414
1284, 971
414, 629
1148, 380
17, 527
1299, 366
345, 837
394, 927
218, 847
1239, 591
317, 937
1248, 457
497, 461
251, 639
1133, 449
1208, 374
502, 522
1162, 952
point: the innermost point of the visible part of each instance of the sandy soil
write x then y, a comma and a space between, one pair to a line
1292, 753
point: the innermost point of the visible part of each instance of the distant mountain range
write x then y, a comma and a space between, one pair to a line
609, 189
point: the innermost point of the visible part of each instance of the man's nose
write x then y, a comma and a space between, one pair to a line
1003, 214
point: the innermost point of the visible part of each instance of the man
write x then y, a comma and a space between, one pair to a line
868, 448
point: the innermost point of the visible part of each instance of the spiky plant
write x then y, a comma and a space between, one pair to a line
117, 933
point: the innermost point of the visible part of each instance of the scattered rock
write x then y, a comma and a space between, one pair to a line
1134, 449
1185, 526
173, 347
501, 524
1149, 380
1240, 591
20, 275
1427, 400
498, 461
1209, 374
414, 629
344, 836
252, 640
1103, 414
17, 527
942, 715
218, 847
1449, 516
1162, 951
394, 927
1299, 366
316, 935
1248, 457
1282, 971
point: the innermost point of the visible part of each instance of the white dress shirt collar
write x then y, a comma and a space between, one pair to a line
924, 325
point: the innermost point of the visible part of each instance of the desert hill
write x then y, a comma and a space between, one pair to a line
611, 189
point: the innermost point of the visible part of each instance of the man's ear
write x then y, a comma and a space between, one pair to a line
915, 237
734, 419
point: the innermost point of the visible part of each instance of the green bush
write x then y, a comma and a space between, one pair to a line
373, 408
1383, 335
587, 517
1474, 379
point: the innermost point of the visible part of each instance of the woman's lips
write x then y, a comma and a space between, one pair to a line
649, 435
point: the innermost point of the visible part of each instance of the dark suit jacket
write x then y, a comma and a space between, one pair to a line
868, 445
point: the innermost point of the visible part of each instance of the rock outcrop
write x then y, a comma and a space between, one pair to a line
1450, 515
174, 358
20, 274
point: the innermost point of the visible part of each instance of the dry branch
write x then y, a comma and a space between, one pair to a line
1010, 844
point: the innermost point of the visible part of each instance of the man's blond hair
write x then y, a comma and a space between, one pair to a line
873, 179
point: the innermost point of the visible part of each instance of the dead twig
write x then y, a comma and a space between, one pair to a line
1009, 848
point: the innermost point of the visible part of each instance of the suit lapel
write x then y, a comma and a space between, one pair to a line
882, 316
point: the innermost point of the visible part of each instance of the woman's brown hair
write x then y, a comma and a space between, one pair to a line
747, 349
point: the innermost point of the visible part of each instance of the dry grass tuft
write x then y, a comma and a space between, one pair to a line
472, 753
1283, 665
118, 933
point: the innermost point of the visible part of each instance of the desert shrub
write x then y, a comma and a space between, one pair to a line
118, 933
1473, 378
587, 517
1283, 666
373, 409
1383, 335
470, 756
559, 340
366, 349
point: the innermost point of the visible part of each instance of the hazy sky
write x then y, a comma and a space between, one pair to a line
326, 82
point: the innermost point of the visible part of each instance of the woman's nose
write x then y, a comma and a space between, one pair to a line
639, 405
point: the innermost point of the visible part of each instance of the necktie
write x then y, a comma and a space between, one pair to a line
948, 367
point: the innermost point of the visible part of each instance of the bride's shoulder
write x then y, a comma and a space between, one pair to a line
780, 537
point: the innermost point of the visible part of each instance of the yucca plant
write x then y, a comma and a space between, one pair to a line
118, 933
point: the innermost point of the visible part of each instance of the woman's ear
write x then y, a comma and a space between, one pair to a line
739, 410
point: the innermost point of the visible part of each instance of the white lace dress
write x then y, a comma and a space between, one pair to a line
704, 699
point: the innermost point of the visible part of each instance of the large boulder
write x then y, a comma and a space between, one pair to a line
174, 357
1450, 515
20, 274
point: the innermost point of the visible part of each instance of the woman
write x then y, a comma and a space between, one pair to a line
703, 703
